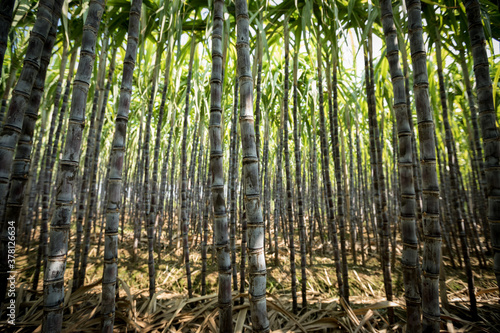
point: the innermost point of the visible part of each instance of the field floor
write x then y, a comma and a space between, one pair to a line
172, 311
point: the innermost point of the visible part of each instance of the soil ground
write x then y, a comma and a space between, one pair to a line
172, 311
